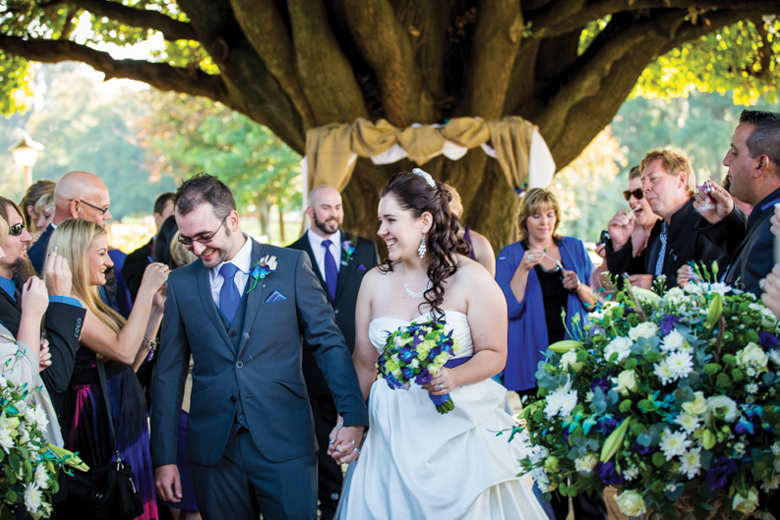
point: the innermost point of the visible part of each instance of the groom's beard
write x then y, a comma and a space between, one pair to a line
23, 270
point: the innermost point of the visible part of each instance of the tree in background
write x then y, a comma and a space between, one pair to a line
291, 65
185, 136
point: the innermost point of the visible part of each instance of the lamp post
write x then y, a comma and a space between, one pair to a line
25, 154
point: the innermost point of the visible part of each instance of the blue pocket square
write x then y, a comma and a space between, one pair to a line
276, 296
361, 267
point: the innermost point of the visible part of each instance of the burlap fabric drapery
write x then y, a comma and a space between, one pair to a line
332, 150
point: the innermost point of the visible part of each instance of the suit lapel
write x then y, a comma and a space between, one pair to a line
212, 310
306, 246
254, 297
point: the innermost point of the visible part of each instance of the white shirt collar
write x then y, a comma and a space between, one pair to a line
316, 240
242, 260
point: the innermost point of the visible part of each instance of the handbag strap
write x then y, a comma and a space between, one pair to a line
104, 385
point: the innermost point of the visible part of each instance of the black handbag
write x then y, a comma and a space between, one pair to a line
106, 493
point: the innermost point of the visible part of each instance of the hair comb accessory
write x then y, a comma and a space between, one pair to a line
425, 175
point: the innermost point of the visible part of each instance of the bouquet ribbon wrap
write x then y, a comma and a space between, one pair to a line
439, 400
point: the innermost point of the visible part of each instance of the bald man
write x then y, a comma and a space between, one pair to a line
77, 195
340, 260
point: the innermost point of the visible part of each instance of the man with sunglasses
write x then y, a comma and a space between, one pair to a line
668, 186
77, 195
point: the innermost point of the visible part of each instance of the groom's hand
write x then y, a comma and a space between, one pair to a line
168, 483
345, 446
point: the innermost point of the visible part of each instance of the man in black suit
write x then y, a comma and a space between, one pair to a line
351, 257
136, 262
754, 170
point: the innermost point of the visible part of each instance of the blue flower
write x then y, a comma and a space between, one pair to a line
405, 354
601, 382
608, 474
667, 323
642, 450
767, 340
606, 424
719, 472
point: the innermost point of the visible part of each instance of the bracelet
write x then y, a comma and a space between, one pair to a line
151, 343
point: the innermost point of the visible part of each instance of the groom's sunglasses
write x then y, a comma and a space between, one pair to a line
637, 193
16, 229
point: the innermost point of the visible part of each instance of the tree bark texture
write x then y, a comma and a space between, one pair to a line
295, 64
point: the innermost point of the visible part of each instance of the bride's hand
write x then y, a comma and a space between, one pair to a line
442, 383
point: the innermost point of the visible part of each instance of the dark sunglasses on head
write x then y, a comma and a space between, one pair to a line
637, 193
16, 229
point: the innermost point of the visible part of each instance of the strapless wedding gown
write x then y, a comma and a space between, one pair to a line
417, 464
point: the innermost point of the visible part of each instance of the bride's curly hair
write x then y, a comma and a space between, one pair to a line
414, 194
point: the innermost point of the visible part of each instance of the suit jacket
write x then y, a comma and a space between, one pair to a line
684, 244
37, 253
350, 277
135, 265
261, 376
749, 243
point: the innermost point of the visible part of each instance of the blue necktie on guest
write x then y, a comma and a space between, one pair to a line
331, 272
229, 297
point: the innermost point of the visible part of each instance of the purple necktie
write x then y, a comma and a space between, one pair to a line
331, 273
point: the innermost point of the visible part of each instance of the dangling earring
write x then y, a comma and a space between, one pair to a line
422, 249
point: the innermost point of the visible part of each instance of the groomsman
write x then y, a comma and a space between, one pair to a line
341, 260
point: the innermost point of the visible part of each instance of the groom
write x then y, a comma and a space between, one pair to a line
250, 435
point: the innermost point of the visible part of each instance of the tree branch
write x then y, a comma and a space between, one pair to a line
717, 20
158, 75
171, 29
497, 37
387, 48
325, 73
268, 35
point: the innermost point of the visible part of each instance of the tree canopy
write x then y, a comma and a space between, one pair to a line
565, 65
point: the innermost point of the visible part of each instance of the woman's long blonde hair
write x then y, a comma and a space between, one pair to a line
3, 230
72, 240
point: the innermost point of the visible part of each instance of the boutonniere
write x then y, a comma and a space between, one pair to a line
349, 250
262, 268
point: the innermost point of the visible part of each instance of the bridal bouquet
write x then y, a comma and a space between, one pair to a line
671, 396
29, 463
413, 354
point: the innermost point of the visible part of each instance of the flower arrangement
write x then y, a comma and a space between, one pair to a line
416, 352
668, 395
349, 250
262, 268
29, 463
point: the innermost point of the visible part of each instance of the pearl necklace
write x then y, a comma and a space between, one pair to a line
416, 295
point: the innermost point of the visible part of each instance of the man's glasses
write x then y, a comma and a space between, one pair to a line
101, 210
637, 193
16, 229
203, 239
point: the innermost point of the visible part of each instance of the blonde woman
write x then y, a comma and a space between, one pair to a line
38, 207
121, 346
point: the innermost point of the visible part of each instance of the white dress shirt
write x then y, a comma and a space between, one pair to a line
315, 241
243, 261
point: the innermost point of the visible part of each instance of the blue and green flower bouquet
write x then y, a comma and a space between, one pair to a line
413, 354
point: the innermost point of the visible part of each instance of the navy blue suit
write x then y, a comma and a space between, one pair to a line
37, 253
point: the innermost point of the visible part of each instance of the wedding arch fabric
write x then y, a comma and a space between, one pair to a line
332, 150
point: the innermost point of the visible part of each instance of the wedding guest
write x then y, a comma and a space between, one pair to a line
668, 184
38, 206
414, 462
340, 260
753, 161
121, 345
164, 241
136, 262
645, 218
542, 276
481, 250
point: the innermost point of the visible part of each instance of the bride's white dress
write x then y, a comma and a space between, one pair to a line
416, 464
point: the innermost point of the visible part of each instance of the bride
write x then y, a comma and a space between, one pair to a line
415, 463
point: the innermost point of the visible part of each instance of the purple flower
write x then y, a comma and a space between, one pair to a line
405, 354
601, 382
566, 435
767, 340
608, 474
719, 471
606, 424
643, 450
667, 323
408, 373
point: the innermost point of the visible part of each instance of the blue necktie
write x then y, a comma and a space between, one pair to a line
331, 272
229, 297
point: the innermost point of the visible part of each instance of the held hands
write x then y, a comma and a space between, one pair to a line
168, 483
35, 298
44, 356
570, 281
442, 383
59, 279
620, 228
344, 443
713, 202
684, 275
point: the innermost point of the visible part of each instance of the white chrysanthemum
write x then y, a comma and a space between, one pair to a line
673, 341
631, 473
720, 288
32, 498
751, 388
6, 440
739, 450
771, 484
751, 372
620, 345
674, 296
41, 477
680, 364
693, 288
560, 402
568, 403
674, 444
662, 372
586, 464
690, 463
688, 422
647, 329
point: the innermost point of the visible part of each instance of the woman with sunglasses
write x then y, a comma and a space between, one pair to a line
645, 218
